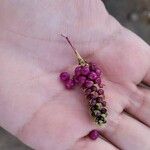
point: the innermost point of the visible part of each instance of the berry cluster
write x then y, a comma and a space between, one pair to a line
88, 77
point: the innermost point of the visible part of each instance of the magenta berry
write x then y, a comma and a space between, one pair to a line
94, 134
98, 81
78, 70
75, 78
85, 70
88, 91
70, 84
64, 76
92, 102
93, 88
81, 79
92, 66
98, 72
92, 76
88, 83
100, 91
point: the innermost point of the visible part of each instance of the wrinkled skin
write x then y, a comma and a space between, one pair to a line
34, 105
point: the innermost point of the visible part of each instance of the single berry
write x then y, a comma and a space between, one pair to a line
92, 76
98, 81
88, 91
98, 72
88, 83
100, 91
101, 85
75, 78
94, 134
93, 88
81, 79
99, 99
85, 70
103, 103
99, 118
78, 70
103, 110
64, 76
70, 84
91, 96
92, 102
97, 113
92, 66
97, 106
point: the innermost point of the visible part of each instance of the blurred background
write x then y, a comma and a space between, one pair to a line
133, 14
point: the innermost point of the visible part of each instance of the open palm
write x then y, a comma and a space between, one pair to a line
34, 105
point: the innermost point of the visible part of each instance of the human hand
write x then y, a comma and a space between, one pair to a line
35, 107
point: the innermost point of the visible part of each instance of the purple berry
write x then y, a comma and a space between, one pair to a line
99, 99
92, 76
88, 83
93, 88
103, 110
85, 70
98, 72
92, 102
70, 84
94, 134
100, 91
92, 66
88, 91
101, 85
78, 70
75, 78
98, 81
64, 76
91, 96
97, 113
103, 103
82, 79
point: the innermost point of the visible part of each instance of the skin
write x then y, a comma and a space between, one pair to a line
35, 106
